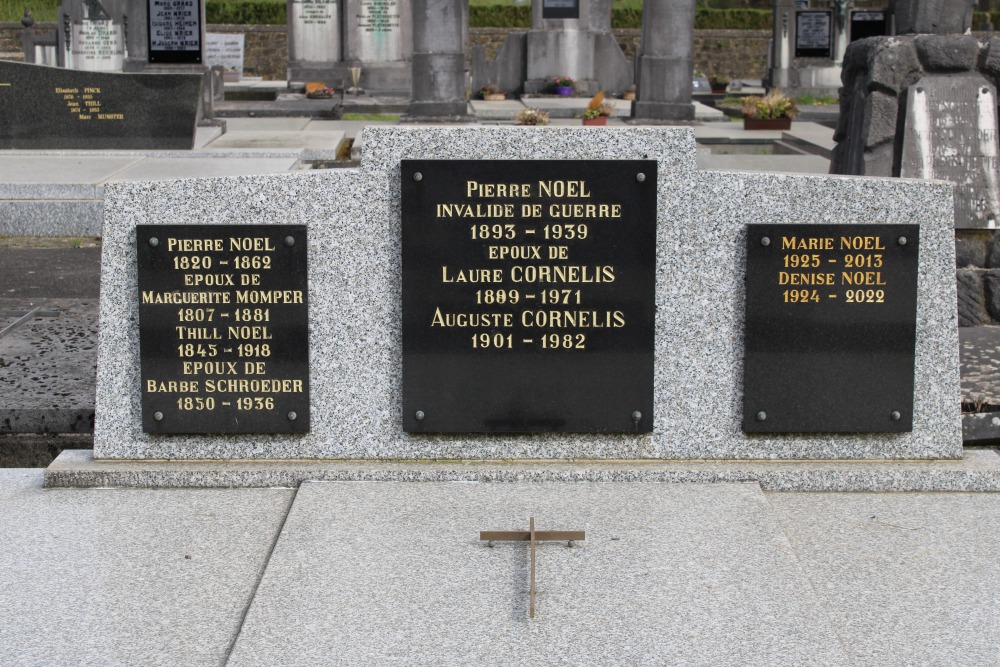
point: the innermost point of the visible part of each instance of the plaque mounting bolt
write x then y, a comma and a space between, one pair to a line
419, 414
292, 416
153, 241
765, 241
641, 177
158, 416
986, 91
761, 416
636, 416
896, 416
919, 89
901, 240
289, 241
417, 176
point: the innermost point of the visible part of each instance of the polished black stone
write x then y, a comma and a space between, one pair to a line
175, 32
837, 357
262, 334
560, 9
519, 377
52, 107
867, 23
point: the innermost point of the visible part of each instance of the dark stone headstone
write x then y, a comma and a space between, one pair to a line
223, 328
830, 328
175, 32
950, 134
528, 295
932, 16
664, 62
867, 23
439, 60
49, 107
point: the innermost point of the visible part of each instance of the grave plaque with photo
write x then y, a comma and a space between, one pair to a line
812, 34
528, 295
175, 32
560, 9
830, 328
223, 328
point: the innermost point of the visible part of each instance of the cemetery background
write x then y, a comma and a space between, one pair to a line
800, 559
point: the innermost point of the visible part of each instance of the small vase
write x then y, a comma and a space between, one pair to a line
600, 120
564, 90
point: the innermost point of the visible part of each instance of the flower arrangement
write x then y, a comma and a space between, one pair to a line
598, 107
774, 104
719, 82
532, 116
318, 91
563, 82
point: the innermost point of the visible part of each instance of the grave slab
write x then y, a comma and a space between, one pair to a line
905, 578
382, 572
314, 146
128, 578
354, 283
71, 177
978, 470
155, 169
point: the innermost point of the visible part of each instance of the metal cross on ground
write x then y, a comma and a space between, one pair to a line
531, 535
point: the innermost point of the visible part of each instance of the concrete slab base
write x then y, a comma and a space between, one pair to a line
385, 573
978, 470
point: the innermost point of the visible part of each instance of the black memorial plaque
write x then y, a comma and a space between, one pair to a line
560, 9
812, 34
528, 295
830, 328
223, 328
175, 32
868, 23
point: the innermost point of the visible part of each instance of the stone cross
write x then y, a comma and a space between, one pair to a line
531, 535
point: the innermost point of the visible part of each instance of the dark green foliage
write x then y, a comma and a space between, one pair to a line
245, 12
500, 16
732, 19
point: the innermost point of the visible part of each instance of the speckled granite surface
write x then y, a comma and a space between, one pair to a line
978, 470
354, 287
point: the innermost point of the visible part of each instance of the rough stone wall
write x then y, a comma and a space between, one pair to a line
736, 53
877, 73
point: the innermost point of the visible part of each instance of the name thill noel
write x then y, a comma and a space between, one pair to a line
189, 258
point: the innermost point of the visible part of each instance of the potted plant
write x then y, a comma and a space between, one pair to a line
773, 111
492, 93
719, 82
563, 85
318, 91
597, 111
532, 116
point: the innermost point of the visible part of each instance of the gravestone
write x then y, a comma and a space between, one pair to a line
372, 249
438, 69
313, 37
327, 38
225, 49
51, 107
664, 63
166, 35
567, 38
809, 39
94, 34
924, 106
